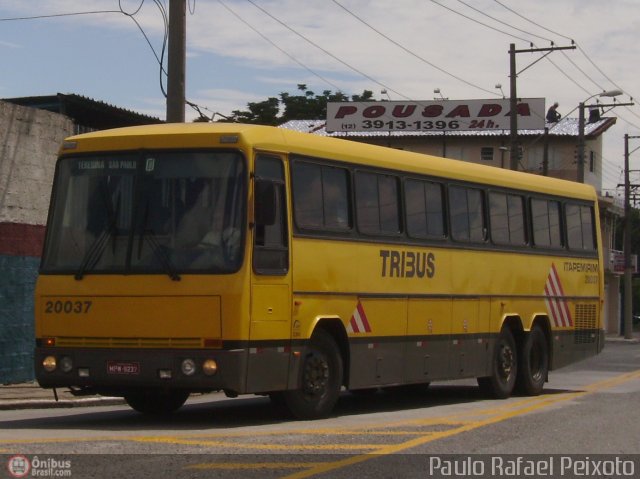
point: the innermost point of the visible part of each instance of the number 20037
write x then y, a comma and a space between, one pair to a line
67, 307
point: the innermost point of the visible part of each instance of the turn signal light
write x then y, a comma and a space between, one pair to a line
210, 367
49, 364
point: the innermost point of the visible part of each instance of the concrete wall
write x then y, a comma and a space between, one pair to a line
29, 142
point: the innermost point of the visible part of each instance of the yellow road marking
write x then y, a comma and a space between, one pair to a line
255, 465
457, 423
522, 407
243, 445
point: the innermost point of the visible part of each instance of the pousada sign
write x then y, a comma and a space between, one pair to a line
438, 115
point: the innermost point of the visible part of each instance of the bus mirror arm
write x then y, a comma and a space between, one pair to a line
264, 202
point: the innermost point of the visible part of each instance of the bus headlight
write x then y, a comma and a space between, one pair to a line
49, 364
210, 367
188, 367
66, 364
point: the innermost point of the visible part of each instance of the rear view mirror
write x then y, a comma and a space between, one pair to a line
265, 202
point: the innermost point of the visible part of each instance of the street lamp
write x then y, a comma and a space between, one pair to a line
581, 145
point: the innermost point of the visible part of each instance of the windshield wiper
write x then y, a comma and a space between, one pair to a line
159, 252
95, 251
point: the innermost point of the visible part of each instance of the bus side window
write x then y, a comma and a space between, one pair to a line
320, 197
467, 214
545, 215
271, 249
506, 213
377, 205
424, 209
580, 232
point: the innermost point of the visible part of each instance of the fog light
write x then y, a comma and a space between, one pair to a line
210, 367
49, 364
164, 373
188, 367
66, 364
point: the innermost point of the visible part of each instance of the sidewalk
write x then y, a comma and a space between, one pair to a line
32, 396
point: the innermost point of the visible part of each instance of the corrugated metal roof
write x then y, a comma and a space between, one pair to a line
85, 111
565, 127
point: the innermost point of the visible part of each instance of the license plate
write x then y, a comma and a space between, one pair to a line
119, 367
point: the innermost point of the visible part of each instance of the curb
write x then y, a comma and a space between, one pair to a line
621, 339
62, 403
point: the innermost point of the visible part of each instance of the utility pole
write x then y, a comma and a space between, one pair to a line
581, 145
628, 264
176, 61
513, 109
513, 96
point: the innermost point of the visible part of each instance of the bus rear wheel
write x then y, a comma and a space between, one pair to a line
504, 367
533, 365
320, 379
155, 402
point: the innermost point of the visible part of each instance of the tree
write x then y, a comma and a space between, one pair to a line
263, 113
303, 106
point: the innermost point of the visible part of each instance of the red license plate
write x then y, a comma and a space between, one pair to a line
119, 367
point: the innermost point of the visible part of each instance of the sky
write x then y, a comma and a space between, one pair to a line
241, 51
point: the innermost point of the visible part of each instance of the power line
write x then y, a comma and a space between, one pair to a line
504, 23
324, 50
510, 35
56, 15
556, 66
267, 39
481, 23
411, 52
580, 49
532, 22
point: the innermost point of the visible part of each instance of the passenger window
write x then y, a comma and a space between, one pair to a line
467, 214
321, 197
506, 213
580, 232
545, 216
424, 209
377, 204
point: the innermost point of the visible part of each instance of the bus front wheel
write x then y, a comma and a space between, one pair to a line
504, 367
156, 402
320, 379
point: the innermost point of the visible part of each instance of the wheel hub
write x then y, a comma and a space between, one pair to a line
316, 374
506, 361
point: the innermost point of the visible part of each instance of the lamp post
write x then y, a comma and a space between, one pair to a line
581, 145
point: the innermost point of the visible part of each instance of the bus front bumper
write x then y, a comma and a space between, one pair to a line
118, 370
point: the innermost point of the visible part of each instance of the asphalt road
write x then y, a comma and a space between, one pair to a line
585, 424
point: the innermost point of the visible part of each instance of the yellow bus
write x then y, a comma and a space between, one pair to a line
187, 258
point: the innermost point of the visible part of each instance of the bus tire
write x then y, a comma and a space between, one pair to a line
533, 365
156, 402
320, 379
504, 367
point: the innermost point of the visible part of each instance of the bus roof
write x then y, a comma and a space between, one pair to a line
267, 138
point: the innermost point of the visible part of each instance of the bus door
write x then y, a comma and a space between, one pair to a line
270, 328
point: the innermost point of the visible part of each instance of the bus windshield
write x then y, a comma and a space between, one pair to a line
160, 212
